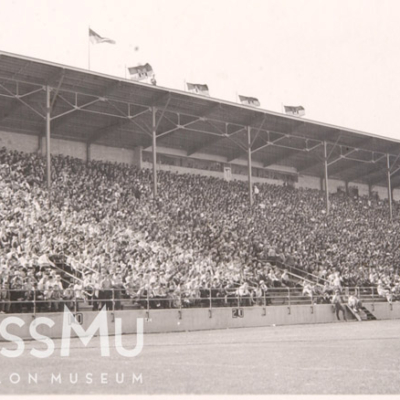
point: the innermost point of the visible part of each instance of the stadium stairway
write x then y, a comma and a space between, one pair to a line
363, 315
366, 315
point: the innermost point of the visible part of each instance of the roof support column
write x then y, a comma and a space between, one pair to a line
40, 144
48, 120
326, 179
249, 165
389, 188
88, 153
154, 128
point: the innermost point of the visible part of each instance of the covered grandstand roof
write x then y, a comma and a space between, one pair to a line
95, 108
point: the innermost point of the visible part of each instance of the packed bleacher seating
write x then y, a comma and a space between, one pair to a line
199, 237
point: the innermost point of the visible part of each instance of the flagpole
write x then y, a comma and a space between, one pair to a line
125, 71
184, 85
89, 51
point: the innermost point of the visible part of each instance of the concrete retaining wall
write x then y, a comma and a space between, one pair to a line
158, 321
384, 310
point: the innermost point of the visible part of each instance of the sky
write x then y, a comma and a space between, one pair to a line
339, 59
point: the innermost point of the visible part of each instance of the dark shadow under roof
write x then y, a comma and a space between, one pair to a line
94, 108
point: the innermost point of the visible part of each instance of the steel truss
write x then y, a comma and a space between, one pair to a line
128, 113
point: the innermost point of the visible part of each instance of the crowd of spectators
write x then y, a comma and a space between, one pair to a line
198, 238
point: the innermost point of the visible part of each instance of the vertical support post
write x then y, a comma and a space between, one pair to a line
326, 179
89, 51
210, 292
113, 299
249, 165
88, 153
389, 188
48, 165
40, 144
154, 153
34, 301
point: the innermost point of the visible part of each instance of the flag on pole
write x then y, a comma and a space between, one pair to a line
297, 111
95, 38
198, 88
141, 72
249, 101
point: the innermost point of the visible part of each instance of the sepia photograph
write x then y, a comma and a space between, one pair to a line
199, 198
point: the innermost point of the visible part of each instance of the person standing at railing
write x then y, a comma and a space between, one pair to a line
175, 295
307, 290
346, 281
143, 294
118, 287
273, 278
68, 296
56, 297
52, 279
57, 282
336, 282
4, 298
338, 303
47, 297
285, 278
106, 291
265, 292
43, 282
78, 289
217, 292
257, 295
396, 291
78, 292
373, 277
160, 295
244, 294
231, 289
96, 293
16, 292
204, 293
88, 285
130, 286
29, 287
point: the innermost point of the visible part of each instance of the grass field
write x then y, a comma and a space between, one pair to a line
343, 358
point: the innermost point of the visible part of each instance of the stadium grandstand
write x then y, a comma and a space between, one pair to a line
130, 195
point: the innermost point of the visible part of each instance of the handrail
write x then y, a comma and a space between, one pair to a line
288, 267
67, 273
34, 300
299, 277
63, 271
82, 264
